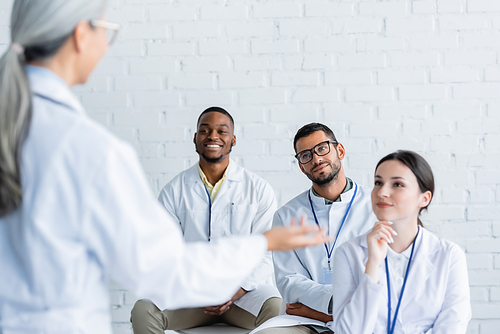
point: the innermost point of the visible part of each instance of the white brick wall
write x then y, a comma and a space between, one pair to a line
413, 74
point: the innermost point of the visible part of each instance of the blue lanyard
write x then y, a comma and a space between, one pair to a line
390, 329
330, 251
209, 215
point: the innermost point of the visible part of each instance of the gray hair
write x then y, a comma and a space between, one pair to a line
39, 28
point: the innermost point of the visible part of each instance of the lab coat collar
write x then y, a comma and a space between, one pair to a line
236, 172
420, 270
344, 197
421, 266
48, 85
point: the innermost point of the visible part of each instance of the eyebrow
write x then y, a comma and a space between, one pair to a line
206, 124
392, 178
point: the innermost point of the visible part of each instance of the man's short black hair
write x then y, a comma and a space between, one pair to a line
215, 109
309, 129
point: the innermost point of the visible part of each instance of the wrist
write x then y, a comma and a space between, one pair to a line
327, 318
270, 241
372, 262
372, 270
240, 293
323, 317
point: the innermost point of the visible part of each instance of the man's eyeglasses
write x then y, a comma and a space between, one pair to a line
111, 29
321, 149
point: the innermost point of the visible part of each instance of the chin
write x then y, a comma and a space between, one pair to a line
212, 159
214, 156
83, 79
383, 215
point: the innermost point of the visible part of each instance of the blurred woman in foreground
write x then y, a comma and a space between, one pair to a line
75, 206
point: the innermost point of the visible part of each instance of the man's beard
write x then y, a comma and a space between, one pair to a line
326, 179
212, 160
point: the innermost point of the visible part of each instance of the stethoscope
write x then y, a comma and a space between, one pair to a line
390, 329
330, 251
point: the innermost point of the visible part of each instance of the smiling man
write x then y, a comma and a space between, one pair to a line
216, 198
338, 205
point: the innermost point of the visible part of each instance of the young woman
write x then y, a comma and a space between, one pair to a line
400, 278
75, 206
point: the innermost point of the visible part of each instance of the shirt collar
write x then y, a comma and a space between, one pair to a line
406, 253
348, 187
48, 85
204, 178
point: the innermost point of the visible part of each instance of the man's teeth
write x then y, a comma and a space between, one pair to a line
213, 146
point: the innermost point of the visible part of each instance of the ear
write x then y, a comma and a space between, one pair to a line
233, 142
341, 151
425, 199
194, 138
80, 35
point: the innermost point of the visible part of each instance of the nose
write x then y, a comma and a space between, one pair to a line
383, 191
212, 134
316, 159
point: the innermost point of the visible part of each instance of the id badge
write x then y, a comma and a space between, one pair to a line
327, 276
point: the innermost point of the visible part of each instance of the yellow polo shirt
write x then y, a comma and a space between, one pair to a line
212, 189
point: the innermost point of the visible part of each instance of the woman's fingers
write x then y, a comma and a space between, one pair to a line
295, 236
320, 235
383, 230
385, 235
386, 232
304, 238
383, 223
378, 239
303, 220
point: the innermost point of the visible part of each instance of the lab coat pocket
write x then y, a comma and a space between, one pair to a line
241, 217
194, 224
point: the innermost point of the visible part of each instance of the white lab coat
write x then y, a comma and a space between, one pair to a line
88, 212
436, 299
244, 205
299, 273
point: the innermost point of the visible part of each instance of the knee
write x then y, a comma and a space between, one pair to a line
270, 309
142, 309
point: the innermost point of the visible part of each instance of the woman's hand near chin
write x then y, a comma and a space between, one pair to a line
377, 241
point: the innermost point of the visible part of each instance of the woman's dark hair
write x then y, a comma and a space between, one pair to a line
309, 129
419, 167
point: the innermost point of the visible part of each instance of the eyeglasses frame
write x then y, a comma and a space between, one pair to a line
313, 151
107, 25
